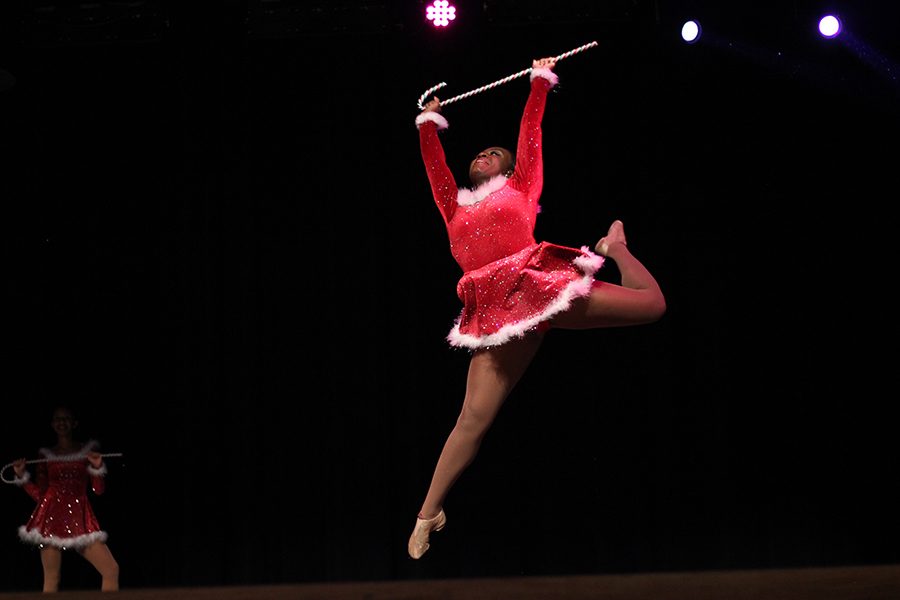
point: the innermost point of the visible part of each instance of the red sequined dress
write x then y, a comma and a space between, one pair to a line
63, 517
511, 284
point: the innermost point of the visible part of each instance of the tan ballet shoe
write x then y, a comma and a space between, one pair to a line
615, 234
418, 541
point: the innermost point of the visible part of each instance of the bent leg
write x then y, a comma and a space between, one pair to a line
636, 301
493, 372
51, 561
99, 555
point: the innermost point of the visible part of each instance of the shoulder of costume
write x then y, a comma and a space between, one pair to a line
88, 446
434, 117
544, 73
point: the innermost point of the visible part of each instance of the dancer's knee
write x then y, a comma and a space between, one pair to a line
656, 308
474, 421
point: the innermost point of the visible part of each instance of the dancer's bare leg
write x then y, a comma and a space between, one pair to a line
637, 301
99, 555
51, 561
493, 372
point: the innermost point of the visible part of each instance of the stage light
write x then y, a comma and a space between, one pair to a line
440, 13
690, 31
829, 26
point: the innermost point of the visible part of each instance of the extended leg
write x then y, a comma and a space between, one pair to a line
638, 300
493, 373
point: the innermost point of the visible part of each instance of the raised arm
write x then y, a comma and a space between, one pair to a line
529, 172
443, 186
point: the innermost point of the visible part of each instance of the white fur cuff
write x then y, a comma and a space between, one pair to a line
546, 73
97, 472
23, 479
437, 118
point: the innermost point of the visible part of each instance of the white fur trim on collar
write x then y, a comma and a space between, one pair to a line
437, 118
546, 73
89, 446
467, 197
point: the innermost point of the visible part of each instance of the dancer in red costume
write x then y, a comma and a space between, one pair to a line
513, 288
64, 518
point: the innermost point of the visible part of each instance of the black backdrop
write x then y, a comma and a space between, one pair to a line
221, 248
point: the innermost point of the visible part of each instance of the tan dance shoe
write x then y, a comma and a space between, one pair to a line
418, 541
616, 234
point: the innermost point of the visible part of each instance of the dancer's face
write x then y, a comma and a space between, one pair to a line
63, 421
490, 162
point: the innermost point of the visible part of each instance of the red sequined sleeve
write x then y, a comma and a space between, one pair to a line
443, 186
98, 484
33, 490
36, 488
96, 475
528, 176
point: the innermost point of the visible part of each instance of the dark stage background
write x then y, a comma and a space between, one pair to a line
221, 248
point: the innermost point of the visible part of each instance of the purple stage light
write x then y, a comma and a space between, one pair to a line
440, 13
690, 31
829, 26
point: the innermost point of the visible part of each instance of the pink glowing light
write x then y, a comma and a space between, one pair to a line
440, 13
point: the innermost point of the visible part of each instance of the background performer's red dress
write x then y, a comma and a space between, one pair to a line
511, 284
63, 517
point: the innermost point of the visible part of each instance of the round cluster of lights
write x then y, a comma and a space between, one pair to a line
440, 13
